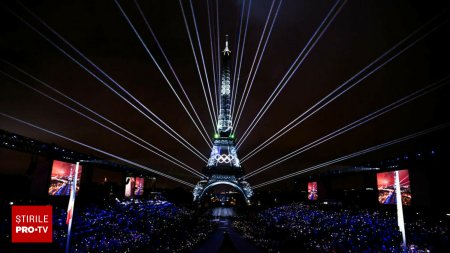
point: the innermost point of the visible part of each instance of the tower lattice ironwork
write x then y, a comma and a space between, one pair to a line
223, 164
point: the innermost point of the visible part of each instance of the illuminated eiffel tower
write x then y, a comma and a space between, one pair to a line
223, 164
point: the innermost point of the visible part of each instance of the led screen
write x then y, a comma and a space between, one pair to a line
312, 191
386, 187
134, 187
62, 178
139, 186
129, 187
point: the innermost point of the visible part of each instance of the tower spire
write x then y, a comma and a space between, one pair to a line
226, 51
224, 122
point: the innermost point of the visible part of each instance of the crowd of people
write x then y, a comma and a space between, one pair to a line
160, 226
131, 226
296, 226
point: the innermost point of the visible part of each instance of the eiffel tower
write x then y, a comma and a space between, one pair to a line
223, 164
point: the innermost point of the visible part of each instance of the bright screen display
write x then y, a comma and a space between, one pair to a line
129, 187
62, 178
139, 186
134, 187
312, 191
386, 187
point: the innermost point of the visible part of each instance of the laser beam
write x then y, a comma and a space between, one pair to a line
211, 114
166, 127
413, 96
326, 22
252, 73
213, 61
219, 67
163, 155
201, 57
356, 79
240, 59
208, 141
233, 92
99, 150
358, 153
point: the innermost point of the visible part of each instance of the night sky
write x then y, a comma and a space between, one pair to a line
361, 32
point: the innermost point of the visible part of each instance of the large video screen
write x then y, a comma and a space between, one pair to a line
134, 186
386, 187
312, 191
139, 186
62, 178
129, 187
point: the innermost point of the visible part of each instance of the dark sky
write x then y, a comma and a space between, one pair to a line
360, 33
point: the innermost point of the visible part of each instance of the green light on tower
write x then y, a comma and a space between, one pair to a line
232, 136
216, 136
